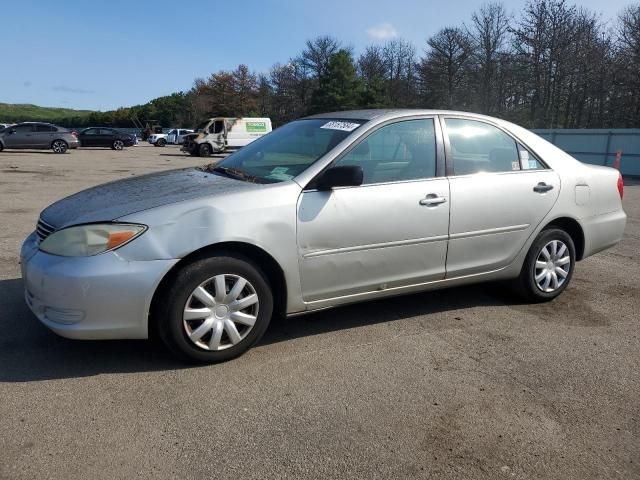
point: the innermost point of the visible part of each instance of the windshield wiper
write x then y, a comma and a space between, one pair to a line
235, 173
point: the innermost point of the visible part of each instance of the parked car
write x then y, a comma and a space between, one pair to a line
328, 210
176, 136
105, 137
157, 139
36, 135
219, 134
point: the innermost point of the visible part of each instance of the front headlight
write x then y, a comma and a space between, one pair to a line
92, 239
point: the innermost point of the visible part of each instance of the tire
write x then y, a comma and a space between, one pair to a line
117, 145
209, 316
59, 146
161, 142
205, 150
539, 266
1, 146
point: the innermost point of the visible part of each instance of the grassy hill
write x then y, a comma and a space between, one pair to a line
25, 112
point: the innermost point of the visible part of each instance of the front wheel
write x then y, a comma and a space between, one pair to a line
59, 146
215, 309
548, 267
161, 142
118, 145
205, 150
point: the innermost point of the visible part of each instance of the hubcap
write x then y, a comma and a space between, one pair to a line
118, 145
552, 266
220, 312
58, 147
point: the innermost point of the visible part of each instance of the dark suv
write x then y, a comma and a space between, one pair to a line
34, 135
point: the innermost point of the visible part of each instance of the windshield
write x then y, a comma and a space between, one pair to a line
201, 127
287, 151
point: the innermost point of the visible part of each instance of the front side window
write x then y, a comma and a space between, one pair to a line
217, 127
479, 147
105, 131
401, 151
287, 151
23, 128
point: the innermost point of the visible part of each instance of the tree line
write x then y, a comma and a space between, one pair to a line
552, 65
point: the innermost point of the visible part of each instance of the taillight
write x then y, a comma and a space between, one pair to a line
620, 186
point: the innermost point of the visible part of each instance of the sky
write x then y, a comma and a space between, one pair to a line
104, 55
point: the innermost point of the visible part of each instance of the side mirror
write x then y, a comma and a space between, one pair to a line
344, 176
12, 131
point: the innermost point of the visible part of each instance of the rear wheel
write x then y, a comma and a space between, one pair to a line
205, 150
1, 146
59, 146
118, 145
548, 267
215, 309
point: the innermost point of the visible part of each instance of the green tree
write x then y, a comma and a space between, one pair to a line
339, 88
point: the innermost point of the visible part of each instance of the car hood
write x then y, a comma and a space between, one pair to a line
123, 197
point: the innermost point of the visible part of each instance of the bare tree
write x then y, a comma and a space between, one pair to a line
445, 69
315, 57
399, 58
488, 34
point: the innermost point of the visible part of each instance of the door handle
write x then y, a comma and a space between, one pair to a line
432, 200
542, 188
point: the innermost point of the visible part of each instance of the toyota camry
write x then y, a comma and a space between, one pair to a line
327, 210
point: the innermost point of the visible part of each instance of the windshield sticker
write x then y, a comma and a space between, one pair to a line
344, 126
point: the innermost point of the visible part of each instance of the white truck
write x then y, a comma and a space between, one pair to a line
176, 135
157, 139
216, 135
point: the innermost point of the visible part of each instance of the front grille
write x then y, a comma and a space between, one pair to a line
43, 229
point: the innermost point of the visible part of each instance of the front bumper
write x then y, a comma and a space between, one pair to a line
99, 297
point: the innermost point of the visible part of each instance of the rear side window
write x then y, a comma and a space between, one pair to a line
480, 147
528, 161
46, 128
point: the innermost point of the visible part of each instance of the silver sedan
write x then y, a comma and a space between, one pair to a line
327, 210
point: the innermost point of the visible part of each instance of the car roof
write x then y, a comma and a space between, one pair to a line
371, 114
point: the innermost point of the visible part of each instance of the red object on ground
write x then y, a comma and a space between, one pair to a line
616, 162
620, 185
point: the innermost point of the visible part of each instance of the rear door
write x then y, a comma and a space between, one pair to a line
500, 192
88, 138
43, 135
105, 137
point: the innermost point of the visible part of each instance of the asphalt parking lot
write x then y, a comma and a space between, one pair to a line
462, 383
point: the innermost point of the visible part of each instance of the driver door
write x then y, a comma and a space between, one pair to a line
20, 136
392, 230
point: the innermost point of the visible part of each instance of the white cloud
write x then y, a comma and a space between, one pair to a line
383, 31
